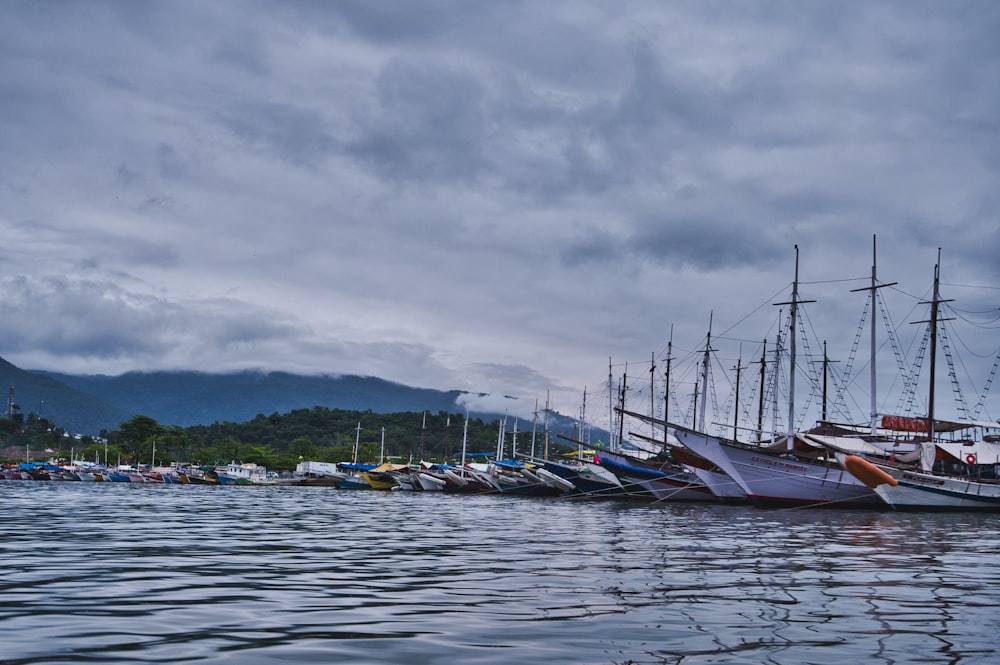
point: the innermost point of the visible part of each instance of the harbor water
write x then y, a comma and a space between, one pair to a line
121, 573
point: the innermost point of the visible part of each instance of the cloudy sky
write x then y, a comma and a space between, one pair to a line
490, 196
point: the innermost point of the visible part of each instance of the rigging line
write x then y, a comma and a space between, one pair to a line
819, 504
893, 340
891, 332
836, 281
911, 385
810, 373
992, 310
989, 383
968, 349
674, 492
922, 298
844, 410
840, 397
968, 377
741, 340
956, 387
987, 325
972, 286
767, 303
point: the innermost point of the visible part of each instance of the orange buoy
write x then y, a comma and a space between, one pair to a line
868, 473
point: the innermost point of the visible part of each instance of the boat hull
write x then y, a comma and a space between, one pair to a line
772, 480
925, 491
662, 485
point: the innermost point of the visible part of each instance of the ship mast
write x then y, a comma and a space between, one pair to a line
927, 449
874, 286
793, 314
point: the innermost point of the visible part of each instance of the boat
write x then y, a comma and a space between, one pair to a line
235, 473
383, 476
790, 470
963, 479
657, 479
431, 482
197, 476
718, 481
313, 474
428, 477
662, 467
588, 478
775, 476
353, 478
466, 478
555, 480
513, 477
953, 475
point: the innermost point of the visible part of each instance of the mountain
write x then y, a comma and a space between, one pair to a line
195, 398
86, 404
65, 406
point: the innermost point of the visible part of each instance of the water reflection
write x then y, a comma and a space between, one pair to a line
113, 573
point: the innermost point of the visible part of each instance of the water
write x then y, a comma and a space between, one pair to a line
115, 573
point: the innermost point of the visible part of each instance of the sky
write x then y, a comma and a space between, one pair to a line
509, 198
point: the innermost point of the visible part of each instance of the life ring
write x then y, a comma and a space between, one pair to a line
970, 458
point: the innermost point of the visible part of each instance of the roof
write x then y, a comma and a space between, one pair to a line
983, 452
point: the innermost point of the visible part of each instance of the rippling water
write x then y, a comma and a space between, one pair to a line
112, 573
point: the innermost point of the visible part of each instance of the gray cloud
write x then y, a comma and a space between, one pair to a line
490, 196
292, 133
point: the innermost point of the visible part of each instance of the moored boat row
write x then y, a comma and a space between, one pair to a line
899, 462
229, 474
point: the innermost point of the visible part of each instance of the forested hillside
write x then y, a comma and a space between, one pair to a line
280, 441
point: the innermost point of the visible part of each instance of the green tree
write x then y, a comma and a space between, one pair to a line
136, 437
260, 455
302, 446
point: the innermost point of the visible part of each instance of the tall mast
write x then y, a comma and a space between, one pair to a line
736, 410
694, 416
534, 425
793, 316
826, 364
704, 375
499, 454
447, 436
874, 412
611, 408
546, 423
760, 401
791, 354
513, 445
927, 449
423, 428
934, 320
652, 394
873, 288
465, 436
666, 385
621, 413
774, 392
357, 439
826, 370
